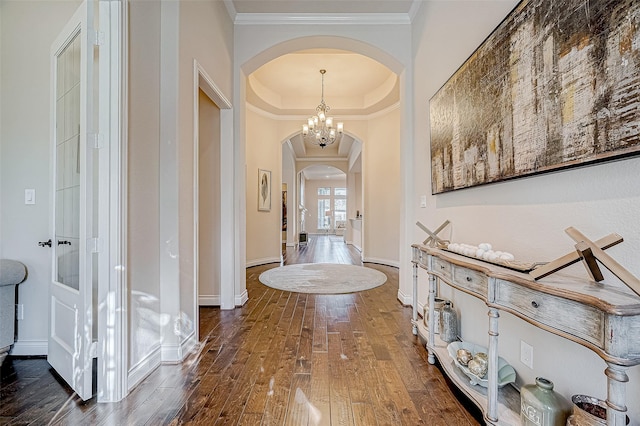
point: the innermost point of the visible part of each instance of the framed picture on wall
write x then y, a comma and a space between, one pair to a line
264, 190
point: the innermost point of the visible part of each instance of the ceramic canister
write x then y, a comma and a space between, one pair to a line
540, 405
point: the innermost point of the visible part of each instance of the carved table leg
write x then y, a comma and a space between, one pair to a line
414, 329
432, 335
616, 394
492, 390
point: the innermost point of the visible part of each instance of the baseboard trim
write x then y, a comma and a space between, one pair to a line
188, 344
405, 299
30, 347
170, 353
263, 261
209, 300
379, 261
143, 368
242, 298
175, 353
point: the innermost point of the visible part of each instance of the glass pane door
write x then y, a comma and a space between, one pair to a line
324, 211
67, 201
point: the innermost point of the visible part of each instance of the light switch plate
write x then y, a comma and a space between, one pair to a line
526, 354
423, 201
29, 196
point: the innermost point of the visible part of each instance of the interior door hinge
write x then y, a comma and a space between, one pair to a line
98, 140
95, 245
98, 39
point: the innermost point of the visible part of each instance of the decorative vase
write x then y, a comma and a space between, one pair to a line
438, 304
448, 323
540, 405
588, 411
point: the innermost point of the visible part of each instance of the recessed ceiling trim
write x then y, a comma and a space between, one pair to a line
322, 18
298, 117
322, 159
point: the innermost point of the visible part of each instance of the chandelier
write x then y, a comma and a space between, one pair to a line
319, 129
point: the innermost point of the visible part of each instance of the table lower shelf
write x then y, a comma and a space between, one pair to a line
508, 396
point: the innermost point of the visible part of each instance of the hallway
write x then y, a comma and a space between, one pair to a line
282, 359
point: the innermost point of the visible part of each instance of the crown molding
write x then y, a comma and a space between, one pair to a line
289, 117
322, 159
323, 18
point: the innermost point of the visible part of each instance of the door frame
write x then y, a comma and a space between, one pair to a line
202, 81
112, 297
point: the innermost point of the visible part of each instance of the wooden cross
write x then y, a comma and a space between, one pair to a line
590, 253
433, 238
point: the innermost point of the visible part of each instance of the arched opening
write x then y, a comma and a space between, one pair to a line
281, 88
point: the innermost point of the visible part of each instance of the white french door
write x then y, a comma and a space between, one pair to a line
71, 348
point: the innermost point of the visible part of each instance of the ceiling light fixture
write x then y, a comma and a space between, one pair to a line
319, 129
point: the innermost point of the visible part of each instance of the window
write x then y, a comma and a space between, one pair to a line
332, 208
340, 208
324, 206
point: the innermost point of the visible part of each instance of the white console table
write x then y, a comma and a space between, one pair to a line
603, 317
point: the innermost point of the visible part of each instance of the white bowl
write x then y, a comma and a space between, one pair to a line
506, 373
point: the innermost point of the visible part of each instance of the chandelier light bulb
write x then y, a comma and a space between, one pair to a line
320, 129
329, 122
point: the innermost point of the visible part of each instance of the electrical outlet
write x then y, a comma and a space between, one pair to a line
526, 354
20, 311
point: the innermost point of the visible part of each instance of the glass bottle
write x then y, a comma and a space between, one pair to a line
448, 323
540, 405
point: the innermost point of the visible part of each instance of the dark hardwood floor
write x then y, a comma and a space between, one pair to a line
282, 359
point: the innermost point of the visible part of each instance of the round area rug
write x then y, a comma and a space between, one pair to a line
325, 278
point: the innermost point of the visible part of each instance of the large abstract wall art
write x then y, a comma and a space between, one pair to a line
556, 85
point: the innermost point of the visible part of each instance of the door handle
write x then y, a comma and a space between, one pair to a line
62, 242
45, 243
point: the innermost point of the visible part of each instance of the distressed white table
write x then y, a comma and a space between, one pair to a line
603, 317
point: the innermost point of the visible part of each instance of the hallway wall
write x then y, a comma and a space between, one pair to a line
166, 37
382, 195
25, 107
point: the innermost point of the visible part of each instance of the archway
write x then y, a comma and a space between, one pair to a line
285, 127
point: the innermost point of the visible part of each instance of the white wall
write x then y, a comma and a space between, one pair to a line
165, 39
524, 216
381, 197
263, 152
144, 185
25, 107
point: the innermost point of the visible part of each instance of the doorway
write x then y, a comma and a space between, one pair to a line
208, 220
